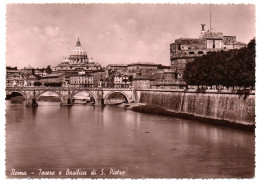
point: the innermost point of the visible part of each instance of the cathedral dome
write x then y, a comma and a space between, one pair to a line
78, 44
78, 51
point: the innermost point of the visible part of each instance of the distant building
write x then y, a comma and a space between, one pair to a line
99, 79
13, 74
166, 79
116, 67
15, 82
40, 72
28, 70
142, 83
82, 80
30, 79
121, 81
141, 65
77, 61
67, 77
53, 78
14, 78
185, 50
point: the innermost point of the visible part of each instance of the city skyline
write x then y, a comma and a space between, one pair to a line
114, 33
135, 91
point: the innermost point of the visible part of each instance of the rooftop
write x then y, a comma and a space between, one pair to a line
188, 41
28, 67
121, 65
143, 63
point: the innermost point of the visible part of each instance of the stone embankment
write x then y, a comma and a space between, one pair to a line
228, 108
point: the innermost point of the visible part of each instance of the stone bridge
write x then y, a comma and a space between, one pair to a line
66, 94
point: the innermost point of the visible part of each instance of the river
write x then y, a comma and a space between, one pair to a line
52, 137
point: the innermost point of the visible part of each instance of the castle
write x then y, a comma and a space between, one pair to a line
185, 50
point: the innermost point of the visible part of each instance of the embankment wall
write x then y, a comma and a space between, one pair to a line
232, 107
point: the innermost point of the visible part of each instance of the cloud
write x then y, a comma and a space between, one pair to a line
132, 21
37, 30
52, 31
155, 47
141, 45
47, 31
65, 39
100, 36
166, 35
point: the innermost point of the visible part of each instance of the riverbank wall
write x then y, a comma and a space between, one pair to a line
228, 106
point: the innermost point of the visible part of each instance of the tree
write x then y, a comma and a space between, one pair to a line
11, 68
48, 69
226, 68
53, 84
37, 83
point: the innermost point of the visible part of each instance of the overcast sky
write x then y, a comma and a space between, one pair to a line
42, 35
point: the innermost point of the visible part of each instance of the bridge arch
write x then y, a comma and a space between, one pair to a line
59, 95
121, 92
88, 92
24, 94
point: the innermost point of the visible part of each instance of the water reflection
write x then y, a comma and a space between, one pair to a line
51, 136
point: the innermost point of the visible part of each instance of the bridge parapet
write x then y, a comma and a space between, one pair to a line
29, 88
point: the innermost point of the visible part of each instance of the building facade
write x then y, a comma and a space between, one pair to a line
82, 80
116, 68
141, 66
53, 78
14, 78
166, 78
99, 79
28, 70
30, 80
121, 81
142, 83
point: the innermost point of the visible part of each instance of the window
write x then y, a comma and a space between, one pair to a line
191, 53
200, 52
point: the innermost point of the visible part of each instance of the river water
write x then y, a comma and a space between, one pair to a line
137, 145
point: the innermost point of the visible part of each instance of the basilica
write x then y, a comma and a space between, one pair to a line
77, 61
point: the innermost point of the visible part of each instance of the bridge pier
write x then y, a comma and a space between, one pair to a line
66, 102
100, 102
31, 103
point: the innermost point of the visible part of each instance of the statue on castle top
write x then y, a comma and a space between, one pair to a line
202, 27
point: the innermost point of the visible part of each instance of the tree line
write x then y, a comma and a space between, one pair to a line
48, 69
226, 68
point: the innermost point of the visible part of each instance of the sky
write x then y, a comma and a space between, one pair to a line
43, 34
